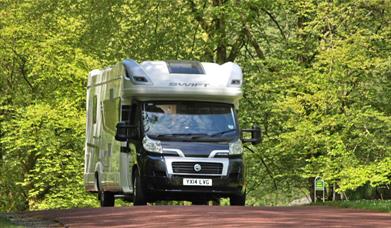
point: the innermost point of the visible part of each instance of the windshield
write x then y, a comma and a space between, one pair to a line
198, 121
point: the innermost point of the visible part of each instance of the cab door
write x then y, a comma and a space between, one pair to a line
128, 113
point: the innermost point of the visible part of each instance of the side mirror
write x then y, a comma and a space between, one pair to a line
256, 135
126, 131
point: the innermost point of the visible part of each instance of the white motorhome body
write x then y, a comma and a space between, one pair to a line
115, 94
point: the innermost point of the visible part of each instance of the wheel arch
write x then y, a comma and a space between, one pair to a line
98, 172
135, 169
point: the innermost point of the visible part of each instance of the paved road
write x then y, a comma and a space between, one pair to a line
214, 216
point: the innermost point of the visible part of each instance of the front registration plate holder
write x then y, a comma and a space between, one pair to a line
197, 182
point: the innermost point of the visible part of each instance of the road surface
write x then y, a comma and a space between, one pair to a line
208, 216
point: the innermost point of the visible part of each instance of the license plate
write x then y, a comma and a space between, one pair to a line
197, 182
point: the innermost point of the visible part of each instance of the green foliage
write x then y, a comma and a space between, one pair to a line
46, 144
375, 205
325, 110
317, 80
6, 223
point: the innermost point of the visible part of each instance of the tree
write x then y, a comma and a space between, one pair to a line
317, 79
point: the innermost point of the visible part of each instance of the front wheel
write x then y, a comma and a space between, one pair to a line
238, 200
138, 192
199, 202
106, 199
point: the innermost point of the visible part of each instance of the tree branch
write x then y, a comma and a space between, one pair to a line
198, 16
275, 22
236, 46
22, 69
254, 42
267, 168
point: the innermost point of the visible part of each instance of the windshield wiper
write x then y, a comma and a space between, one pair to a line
222, 132
187, 135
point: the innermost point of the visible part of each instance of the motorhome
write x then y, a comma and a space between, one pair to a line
166, 130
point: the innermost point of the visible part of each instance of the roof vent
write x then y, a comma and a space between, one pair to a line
185, 67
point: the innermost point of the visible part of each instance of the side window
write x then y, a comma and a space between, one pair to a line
125, 115
94, 109
111, 94
133, 112
129, 113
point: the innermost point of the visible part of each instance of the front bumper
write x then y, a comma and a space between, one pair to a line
161, 183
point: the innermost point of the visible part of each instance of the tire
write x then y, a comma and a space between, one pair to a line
216, 202
106, 199
199, 202
138, 191
97, 185
238, 200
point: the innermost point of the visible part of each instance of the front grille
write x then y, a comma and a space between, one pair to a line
206, 167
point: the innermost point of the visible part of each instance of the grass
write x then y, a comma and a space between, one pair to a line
375, 205
7, 224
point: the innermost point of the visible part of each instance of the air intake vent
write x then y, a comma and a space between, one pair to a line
205, 168
140, 79
235, 82
134, 72
185, 67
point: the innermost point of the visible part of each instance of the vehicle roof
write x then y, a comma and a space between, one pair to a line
180, 80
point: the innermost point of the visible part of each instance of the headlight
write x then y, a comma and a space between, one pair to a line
152, 145
236, 148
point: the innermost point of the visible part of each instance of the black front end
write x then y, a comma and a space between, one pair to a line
190, 150
161, 184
